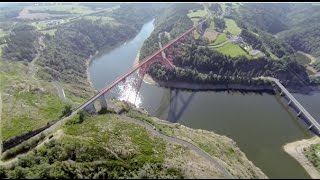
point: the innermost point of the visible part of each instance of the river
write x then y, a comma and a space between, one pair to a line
259, 123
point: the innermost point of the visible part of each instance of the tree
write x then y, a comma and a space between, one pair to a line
219, 24
67, 110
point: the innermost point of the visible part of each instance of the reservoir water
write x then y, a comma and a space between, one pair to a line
259, 123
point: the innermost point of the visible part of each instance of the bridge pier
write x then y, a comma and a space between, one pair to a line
90, 108
289, 102
310, 126
281, 93
299, 114
103, 101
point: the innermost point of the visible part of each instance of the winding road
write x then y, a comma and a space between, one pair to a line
199, 151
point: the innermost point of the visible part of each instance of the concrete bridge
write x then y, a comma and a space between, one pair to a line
293, 101
141, 68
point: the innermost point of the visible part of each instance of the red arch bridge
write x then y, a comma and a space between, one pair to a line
159, 56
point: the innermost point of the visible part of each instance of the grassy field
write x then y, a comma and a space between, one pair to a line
220, 39
27, 103
232, 50
232, 26
104, 19
198, 13
68, 8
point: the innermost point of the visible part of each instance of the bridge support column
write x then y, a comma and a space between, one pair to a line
281, 93
90, 108
299, 114
310, 126
103, 101
289, 102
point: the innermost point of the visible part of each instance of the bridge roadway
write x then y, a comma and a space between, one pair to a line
302, 110
144, 61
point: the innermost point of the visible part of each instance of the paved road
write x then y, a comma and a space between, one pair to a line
199, 151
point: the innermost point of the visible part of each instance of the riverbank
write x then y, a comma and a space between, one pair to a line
197, 86
296, 149
205, 87
88, 62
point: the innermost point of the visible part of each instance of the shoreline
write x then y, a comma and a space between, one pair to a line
296, 149
88, 62
207, 87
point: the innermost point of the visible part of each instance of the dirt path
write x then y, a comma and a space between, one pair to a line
199, 151
296, 149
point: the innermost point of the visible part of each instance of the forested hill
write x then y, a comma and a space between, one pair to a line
174, 20
66, 53
296, 24
264, 16
304, 32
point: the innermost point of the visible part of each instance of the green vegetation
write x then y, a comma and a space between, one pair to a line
220, 39
101, 19
198, 14
216, 8
234, 158
10, 11
302, 59
30, 103
50, 32
174, 20
303, 29
232, 50
313, 155
61, 8
34, 103
205, 65
108, 148
219, 24
232, 27
251, 39
2, 33
21, 43
265, 17
22, 148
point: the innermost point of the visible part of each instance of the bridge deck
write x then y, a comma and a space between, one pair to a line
298, 105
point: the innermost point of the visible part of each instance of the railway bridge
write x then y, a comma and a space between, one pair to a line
141, 68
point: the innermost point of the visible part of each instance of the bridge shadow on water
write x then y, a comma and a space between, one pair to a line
178, 104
